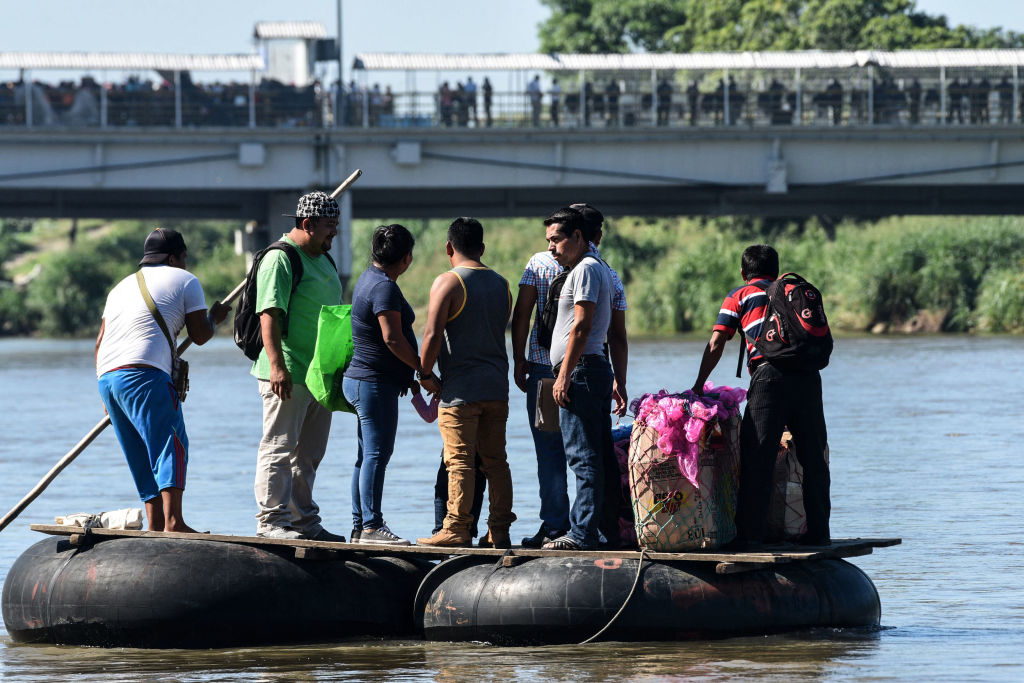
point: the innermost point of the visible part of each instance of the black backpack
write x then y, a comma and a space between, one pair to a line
549, 314
248, 333
795, 333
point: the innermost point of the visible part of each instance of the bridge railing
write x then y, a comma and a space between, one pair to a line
754, 100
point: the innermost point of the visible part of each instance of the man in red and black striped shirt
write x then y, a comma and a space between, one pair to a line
776, 399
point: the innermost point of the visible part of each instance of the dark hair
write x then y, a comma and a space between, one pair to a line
592, 220
568, 219
467, 236
760, 259
312, 219
390, 244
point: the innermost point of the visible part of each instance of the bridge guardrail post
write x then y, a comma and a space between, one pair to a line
177, 99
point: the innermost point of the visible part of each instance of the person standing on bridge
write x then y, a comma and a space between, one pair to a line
488, 97
295, 426
470, 100
141, 320
664, 94
556, 96
533, 92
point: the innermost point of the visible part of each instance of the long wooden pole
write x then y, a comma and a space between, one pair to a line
347, 183
105, 422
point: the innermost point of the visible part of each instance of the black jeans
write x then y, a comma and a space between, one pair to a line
441, 497
778, 399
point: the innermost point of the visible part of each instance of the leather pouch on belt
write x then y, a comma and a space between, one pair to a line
546, 415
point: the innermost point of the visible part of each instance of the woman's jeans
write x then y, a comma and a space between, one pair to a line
376, 405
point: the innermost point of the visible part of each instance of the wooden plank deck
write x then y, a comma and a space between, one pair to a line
727, 562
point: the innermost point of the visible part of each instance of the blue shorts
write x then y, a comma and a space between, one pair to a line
146, 415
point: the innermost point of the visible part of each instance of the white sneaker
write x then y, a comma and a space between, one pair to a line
285, 532
381, 536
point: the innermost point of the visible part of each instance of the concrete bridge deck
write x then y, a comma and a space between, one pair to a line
256, 174
233, 174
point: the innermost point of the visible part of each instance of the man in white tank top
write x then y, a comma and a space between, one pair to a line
133, 369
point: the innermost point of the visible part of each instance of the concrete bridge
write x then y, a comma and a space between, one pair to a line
256, 174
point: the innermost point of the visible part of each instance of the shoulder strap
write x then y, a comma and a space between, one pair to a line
743, 336
298, 270
294, 260
155, 311
743, 347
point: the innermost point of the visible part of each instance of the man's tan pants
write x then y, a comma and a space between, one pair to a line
468, 430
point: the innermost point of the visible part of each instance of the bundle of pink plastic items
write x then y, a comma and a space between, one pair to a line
683, 467
679, 419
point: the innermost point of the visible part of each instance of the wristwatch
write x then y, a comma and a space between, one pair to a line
420, 375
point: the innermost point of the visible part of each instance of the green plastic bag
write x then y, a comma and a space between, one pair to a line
331, 357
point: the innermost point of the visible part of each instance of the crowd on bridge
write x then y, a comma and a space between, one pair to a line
149, 102
885, 101
970, 99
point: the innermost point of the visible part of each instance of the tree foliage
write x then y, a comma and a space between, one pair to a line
67, 296
606, 26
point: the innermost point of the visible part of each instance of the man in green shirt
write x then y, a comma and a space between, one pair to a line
295, 426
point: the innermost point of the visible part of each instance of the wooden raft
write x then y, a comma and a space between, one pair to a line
726, 562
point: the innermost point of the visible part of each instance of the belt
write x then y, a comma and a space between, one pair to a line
585, 360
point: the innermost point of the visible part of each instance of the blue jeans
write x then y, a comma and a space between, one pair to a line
376, 405
551, 473
587, 436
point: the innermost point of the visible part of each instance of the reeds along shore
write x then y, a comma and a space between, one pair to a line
900, 274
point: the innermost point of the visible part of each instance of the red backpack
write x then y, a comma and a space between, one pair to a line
795, 333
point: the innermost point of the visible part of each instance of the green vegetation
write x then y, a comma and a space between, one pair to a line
950, 274
63, 286
602, 26
899, 274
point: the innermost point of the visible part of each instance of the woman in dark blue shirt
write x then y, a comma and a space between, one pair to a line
383, 362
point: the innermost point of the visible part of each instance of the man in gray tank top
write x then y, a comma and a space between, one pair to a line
469, 309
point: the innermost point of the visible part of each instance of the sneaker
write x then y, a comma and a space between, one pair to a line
356, 533
446, 538
381, 536
543, 535
285, 532
325, 535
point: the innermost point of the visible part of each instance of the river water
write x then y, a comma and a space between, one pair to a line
925, 437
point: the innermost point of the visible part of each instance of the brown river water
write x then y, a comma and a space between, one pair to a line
925, 437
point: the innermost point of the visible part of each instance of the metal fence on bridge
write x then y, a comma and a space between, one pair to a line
912, 88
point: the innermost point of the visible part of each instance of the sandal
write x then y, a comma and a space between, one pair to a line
563, 543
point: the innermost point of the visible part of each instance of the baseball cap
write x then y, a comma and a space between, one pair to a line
316, 205
160, 244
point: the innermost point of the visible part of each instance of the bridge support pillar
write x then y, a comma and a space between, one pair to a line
275, 222
257, 234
